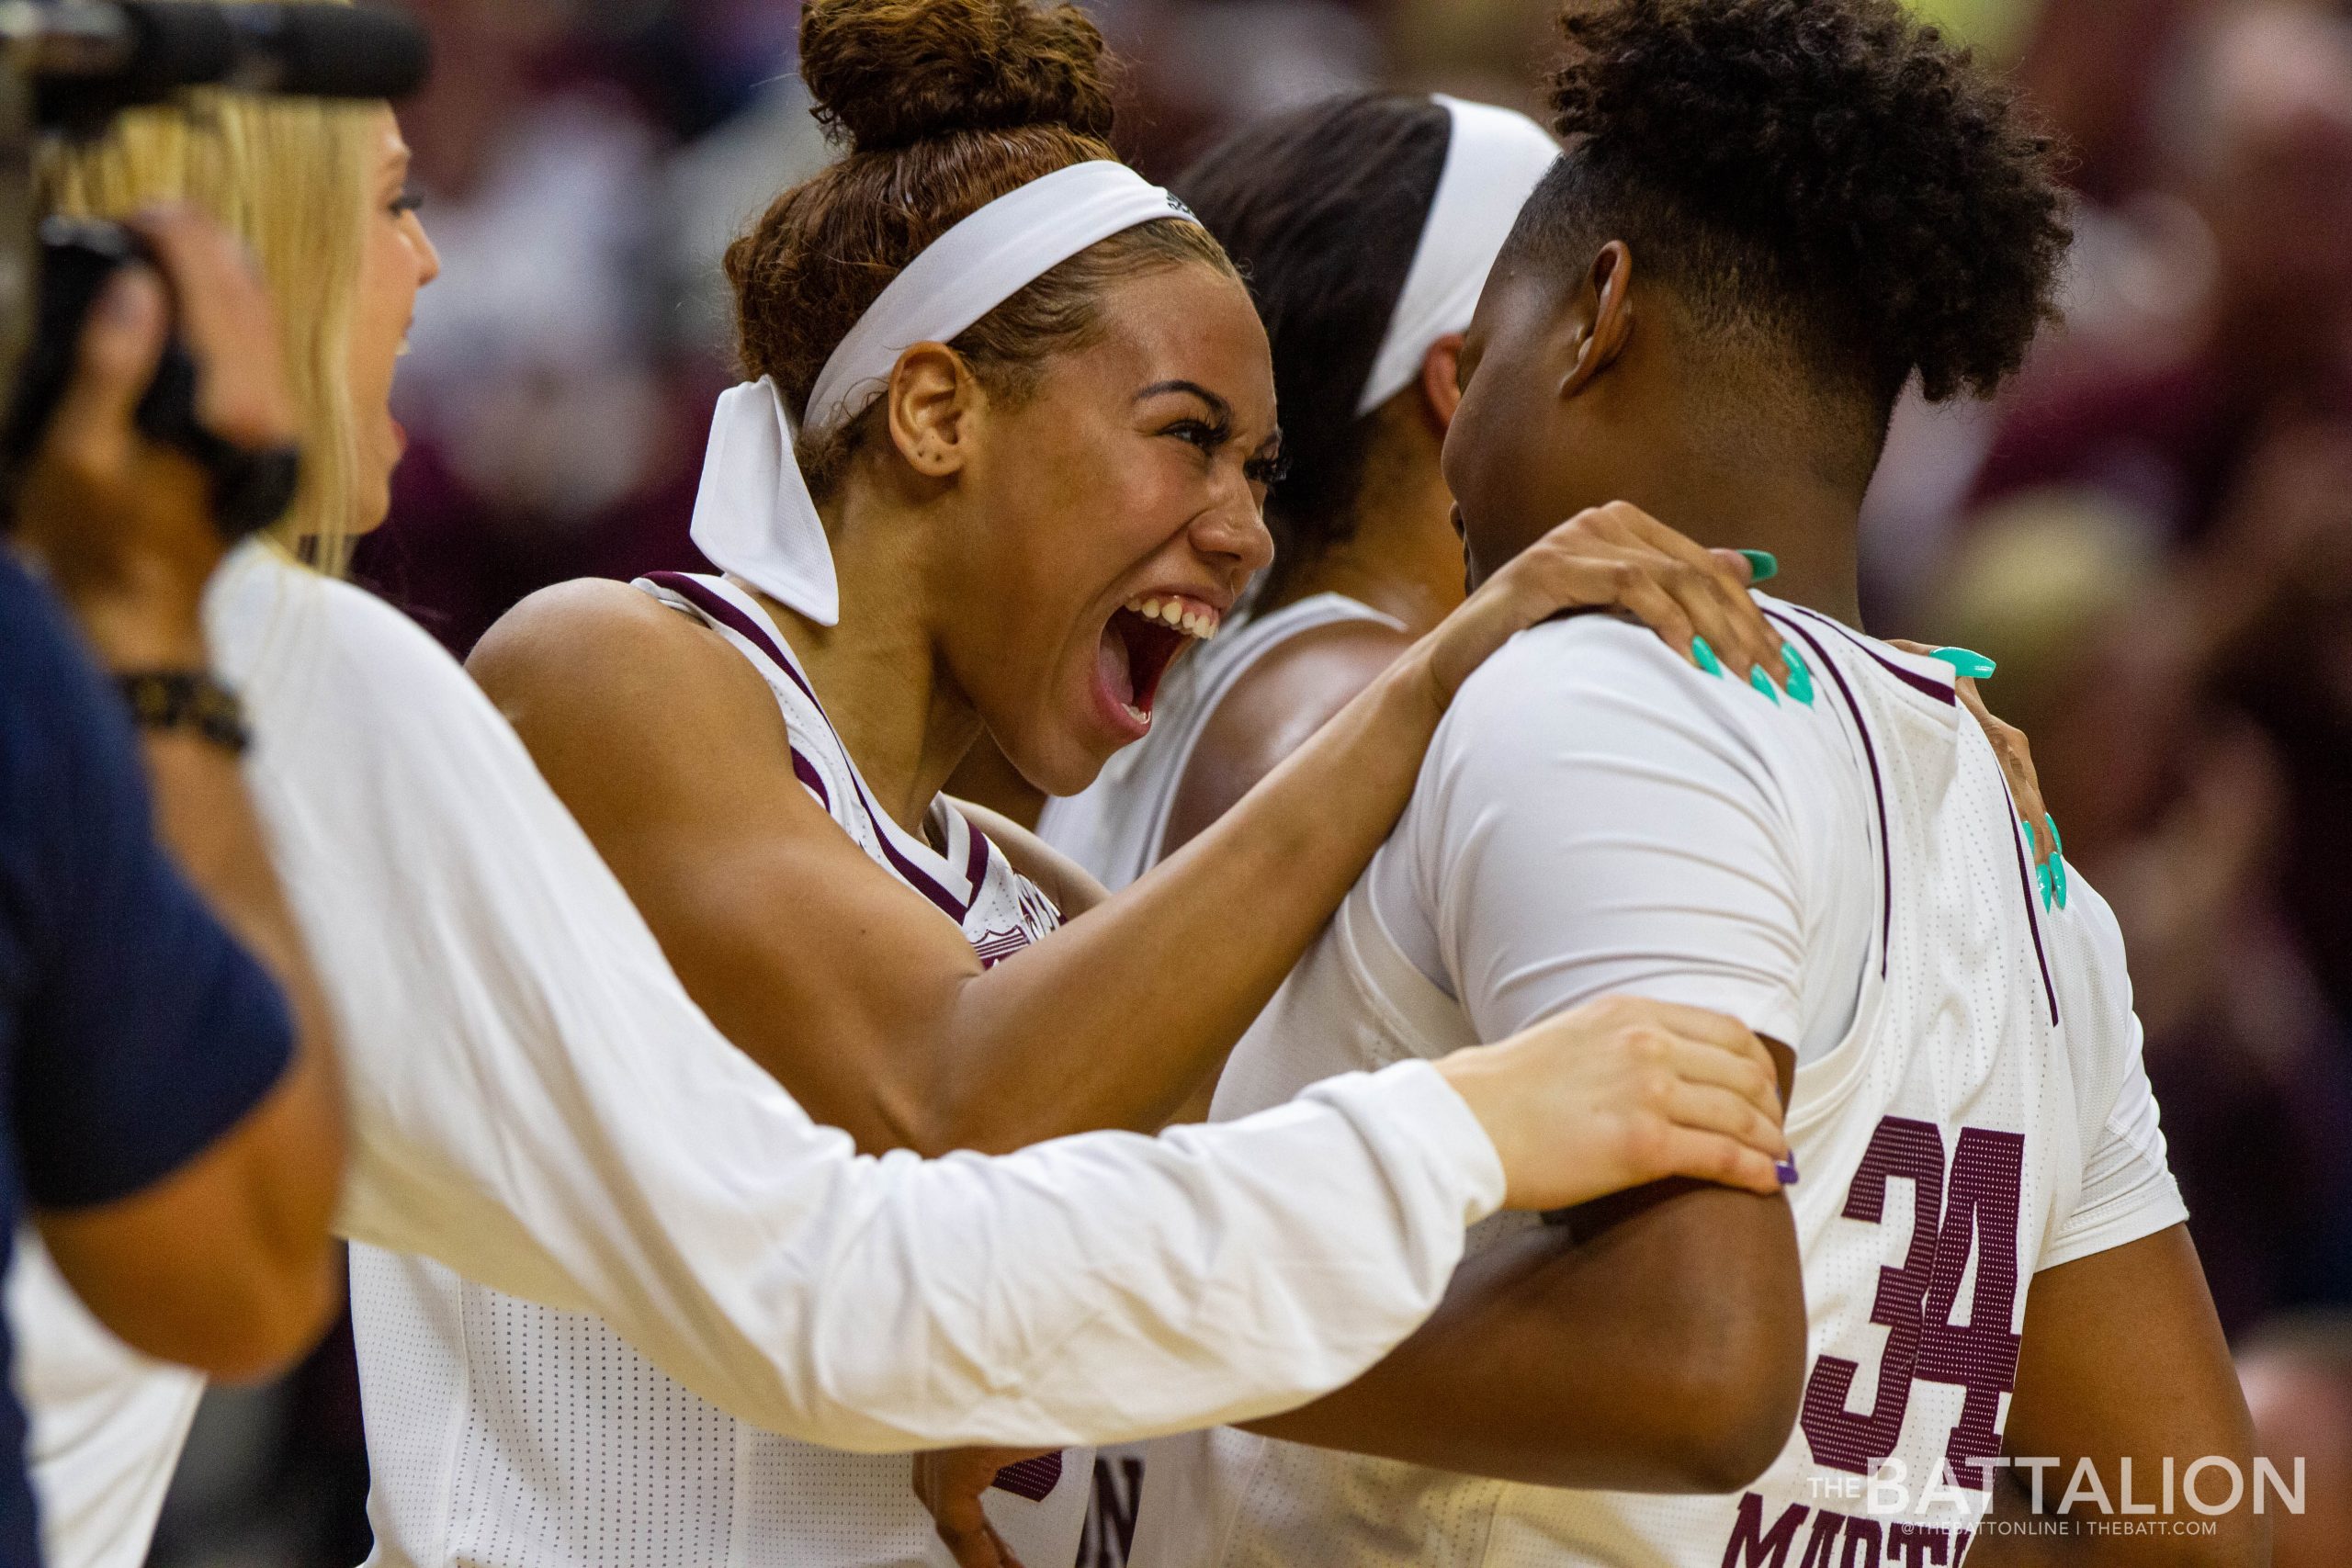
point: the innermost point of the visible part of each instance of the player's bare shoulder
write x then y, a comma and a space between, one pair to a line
597, 652
1272, 709
624, 702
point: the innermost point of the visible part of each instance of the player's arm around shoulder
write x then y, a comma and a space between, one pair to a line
667, 746
1270, 711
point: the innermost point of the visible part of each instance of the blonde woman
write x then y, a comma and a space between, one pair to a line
538, 1106
288, 177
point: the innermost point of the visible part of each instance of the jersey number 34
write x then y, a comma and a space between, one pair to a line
1969, 1205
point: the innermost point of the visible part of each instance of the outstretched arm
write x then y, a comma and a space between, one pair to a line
667, 748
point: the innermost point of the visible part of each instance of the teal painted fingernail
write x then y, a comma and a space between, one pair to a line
1799, 677
2041, 879
2057, 861
1763, 683
1973, 665
1763, 565
1704, 656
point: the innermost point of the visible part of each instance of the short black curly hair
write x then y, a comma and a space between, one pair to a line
1831, 173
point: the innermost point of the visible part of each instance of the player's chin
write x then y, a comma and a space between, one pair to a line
1064, 754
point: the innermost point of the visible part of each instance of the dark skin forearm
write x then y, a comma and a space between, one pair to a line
1650, 1342
1660, 1352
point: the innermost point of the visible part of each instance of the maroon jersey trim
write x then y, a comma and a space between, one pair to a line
1031, 1478
1878, 787
714, 604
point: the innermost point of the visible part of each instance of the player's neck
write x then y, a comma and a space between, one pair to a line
1812, 527
878, 675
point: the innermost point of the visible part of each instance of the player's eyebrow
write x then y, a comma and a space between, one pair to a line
1221, 411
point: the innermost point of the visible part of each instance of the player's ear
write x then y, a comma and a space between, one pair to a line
1442, 380
1601, 317
931, 399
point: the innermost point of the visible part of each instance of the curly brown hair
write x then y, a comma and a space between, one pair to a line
1833, 170
944, 106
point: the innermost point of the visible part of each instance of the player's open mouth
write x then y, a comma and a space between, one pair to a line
1142, 639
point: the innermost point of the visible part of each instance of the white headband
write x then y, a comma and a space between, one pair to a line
1493, 162
754, 515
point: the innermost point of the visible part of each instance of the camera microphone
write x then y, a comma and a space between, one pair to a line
93, 58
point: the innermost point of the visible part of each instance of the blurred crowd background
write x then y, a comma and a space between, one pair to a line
2150, 531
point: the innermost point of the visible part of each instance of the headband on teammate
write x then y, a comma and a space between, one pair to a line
754, 515
1493, 161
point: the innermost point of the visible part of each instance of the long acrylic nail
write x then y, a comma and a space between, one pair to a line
1763, 683
2057, 861
1967, 661
1763, 565
1800, 675
1704, 656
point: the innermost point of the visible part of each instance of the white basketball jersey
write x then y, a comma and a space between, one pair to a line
1114, 827
502, 1434
1938, 1143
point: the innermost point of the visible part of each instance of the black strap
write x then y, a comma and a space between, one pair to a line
191, 700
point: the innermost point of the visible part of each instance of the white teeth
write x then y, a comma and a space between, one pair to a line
1201, 623
1138, 714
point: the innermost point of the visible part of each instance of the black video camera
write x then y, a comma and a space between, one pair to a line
67, 67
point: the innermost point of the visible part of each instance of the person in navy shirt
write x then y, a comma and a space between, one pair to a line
168, 1106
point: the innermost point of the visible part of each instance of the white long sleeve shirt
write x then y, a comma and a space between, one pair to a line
537, 1104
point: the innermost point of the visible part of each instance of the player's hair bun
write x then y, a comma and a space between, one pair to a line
889, 73
1850, 143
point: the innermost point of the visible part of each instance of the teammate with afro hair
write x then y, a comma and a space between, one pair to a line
1769, 218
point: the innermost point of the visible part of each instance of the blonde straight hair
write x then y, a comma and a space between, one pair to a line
291, 177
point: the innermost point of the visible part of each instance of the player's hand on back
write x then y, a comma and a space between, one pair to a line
1621, 558
2009, 744
1621, 1092
951, 1484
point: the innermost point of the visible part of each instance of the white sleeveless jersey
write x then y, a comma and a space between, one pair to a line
1114, 828
1942, 1145
502, 1434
